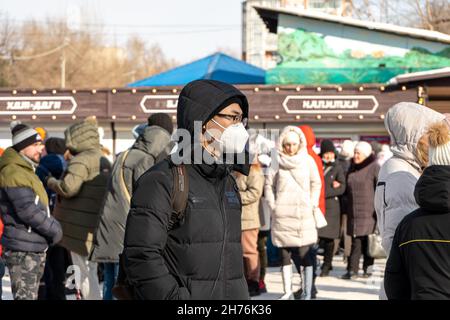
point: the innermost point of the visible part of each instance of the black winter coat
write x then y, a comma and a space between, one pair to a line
333, 213
419, 262
361, 184
201, 258
345, 165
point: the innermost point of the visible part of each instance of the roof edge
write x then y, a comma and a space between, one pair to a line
374, 26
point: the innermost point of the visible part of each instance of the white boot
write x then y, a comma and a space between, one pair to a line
286, 273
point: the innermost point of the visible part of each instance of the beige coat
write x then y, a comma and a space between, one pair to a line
292, 193
251, 189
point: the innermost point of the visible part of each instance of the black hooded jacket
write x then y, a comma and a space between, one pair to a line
201, 258
419, 262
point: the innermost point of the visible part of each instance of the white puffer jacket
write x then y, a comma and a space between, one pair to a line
292, 192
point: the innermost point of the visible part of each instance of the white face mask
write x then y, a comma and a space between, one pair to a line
233, 138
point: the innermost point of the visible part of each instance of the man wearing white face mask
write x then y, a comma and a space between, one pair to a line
199, 255
220, 140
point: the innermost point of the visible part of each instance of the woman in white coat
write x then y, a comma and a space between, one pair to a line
292, 193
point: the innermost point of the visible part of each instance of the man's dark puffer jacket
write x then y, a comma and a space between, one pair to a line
201, 258
28, 226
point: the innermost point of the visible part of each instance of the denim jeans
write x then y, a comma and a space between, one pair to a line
110, 272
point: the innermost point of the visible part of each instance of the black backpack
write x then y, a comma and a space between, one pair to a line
123, 290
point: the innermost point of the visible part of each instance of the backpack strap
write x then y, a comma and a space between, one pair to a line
180, 193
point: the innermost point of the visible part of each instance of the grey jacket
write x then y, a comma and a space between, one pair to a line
406, 122
152, 145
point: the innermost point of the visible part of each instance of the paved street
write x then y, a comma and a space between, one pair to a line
330, 288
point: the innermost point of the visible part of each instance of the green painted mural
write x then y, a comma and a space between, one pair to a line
311, 58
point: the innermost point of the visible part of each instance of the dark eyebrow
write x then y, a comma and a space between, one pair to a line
236, 112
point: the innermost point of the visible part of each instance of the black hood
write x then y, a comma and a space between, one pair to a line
432, 190
200, 100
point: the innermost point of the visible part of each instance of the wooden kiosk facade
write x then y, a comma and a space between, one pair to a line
333, 111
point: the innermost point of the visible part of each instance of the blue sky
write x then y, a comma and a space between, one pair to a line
186, 30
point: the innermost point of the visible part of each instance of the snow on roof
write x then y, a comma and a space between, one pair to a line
422, 75
376, 26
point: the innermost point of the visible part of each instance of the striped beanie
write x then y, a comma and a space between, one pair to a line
23, 136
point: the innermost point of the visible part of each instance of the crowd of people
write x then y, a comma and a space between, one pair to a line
149, 227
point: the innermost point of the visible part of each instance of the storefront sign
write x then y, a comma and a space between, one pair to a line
37, 105
342, 104
159, 103
379, 139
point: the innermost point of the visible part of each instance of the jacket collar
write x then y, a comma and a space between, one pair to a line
362, 165
152, 141
30, 162
11, 156
213, 171
329, 164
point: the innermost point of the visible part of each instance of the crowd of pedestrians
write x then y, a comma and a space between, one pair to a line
191, 214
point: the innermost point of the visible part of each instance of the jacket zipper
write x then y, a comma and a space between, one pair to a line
224, 219
36, 202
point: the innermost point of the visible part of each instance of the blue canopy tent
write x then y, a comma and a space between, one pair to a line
217, 66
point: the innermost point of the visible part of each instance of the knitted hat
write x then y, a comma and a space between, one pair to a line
364, 147
347, 149
439, 138
23, 136
327, 146
161, 120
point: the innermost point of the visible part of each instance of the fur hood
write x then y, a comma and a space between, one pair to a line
438, 134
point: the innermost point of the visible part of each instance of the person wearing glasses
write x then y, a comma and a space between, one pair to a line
199, 254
